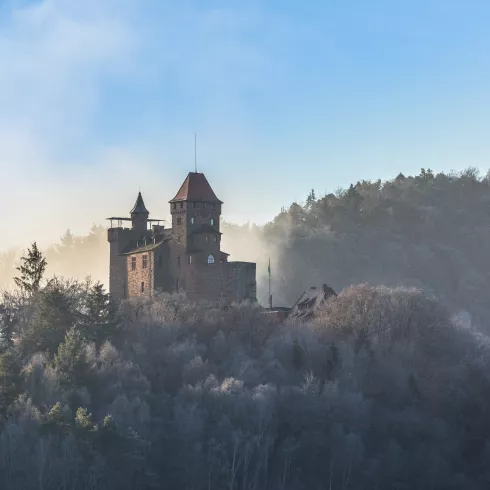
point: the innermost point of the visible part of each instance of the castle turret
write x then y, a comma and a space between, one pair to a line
196, 210
139, 215
120, 238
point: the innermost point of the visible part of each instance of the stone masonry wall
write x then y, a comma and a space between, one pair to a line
140, 275
221, 282
118, 238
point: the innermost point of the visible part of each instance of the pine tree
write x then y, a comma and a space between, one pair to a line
7, 326
32, 270
311, 198
70, 361
100, 323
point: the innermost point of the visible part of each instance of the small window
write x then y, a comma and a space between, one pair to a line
142, 286
178, 238
181, 205
215, 239
206, 239
179, 221
133, 263
189, 259
210, 259
194, 205
211, 221
192, 220
145, 261
174, 205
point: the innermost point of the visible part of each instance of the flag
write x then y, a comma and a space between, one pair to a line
269, 268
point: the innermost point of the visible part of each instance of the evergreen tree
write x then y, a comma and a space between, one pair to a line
100, 322
54, 311
70, 361
7, 325
32, 270
311, 198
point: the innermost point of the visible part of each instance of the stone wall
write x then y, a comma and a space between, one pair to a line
239, 282
118, 239
140, 275
221, 282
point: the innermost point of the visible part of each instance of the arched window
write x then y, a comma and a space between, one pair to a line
211, 221
210, 259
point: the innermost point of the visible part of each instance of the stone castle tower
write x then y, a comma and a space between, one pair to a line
186, 257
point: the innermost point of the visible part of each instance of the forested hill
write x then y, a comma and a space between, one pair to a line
429, 231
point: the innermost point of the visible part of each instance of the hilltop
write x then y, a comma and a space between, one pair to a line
430, 231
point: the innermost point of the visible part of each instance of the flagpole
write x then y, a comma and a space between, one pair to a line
270, 295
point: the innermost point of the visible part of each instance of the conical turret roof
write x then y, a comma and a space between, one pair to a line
196, 188
139, 206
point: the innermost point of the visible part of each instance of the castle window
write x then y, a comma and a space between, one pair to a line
194, 205
210, 259
142, 286
179, 221
192, 220
189, 259
215, 239
181, 205
133, 263
145, 261
206, 239
211, 221
178, 238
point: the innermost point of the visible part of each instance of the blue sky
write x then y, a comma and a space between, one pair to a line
102, 97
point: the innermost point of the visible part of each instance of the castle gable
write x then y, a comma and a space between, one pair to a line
135, 247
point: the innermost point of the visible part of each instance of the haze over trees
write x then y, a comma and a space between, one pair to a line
384, 389
430, 231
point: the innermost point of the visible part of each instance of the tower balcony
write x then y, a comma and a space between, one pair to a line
151, 224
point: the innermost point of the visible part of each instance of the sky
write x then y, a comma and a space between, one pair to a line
101, 98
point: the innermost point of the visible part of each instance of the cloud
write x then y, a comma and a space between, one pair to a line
54, 59
62, 58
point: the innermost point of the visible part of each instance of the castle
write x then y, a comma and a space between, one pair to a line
187, 257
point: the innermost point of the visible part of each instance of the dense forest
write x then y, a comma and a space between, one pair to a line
384, 389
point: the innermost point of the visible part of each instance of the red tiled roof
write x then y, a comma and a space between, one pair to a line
196, 188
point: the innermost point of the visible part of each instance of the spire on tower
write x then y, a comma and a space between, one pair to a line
139, 206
